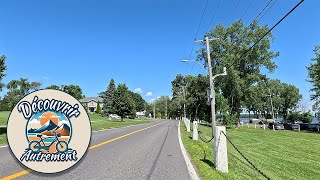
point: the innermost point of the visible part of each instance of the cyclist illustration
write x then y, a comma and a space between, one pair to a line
36, 146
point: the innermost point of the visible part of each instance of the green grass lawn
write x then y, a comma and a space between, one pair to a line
279, 154
4, 117
97, 123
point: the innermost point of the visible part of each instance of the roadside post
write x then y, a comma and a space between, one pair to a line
318, 127
264, 126
248, 125
298, 127
220, 149
273, 127
195, 130
255, 125
188, 125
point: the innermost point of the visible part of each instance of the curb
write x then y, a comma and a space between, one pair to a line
192, 172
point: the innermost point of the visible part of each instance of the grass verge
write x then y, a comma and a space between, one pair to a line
279, 154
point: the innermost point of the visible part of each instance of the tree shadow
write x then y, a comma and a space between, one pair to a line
3, 130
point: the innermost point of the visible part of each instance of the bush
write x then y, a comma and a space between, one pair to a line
296, 116
229, 120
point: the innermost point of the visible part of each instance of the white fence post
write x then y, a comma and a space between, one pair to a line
220, 149
264, 126
188, 125
298, 127
195, 130
248, 125
255, 125
318, 128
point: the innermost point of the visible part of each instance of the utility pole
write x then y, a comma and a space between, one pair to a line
212, 93
166, 108
184, 102
154, 109
271, 104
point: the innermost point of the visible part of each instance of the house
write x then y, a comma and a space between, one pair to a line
141, 114
92, 103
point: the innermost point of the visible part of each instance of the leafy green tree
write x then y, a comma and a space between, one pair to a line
17, 89
138, 101
3, 67
74, 91
55, 87
314, 75
98, 110
108, 97
234, 41
122, 104
291, 97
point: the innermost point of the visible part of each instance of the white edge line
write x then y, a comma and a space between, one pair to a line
3, 146
102, 130
192, 172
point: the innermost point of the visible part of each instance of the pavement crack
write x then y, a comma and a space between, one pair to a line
158, 155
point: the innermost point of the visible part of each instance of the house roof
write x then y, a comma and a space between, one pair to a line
88, 99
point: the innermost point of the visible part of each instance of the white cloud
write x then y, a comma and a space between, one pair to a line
138, 90
149, 94
45, 77
34, 121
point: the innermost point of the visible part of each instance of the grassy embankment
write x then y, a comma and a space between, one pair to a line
279, 154
97, 123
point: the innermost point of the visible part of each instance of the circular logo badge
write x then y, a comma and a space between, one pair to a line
48, 131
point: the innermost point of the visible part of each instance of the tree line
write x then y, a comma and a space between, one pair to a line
246, 88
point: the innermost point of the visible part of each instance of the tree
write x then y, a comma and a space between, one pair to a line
74, 91
291, 97
3, 67
108, 97
98, 110
17, 89
314, 75
55, 87
138, 101
234, 41
122, 104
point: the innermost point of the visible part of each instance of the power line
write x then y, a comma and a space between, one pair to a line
203, 12
267, 10
257, 20
232, 12
267, 32
214, 13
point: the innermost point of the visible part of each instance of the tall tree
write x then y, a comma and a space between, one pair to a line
108, 97
122, 103
233, 42
138, 101
314, 75
74, 91
3, 67
17, 90
55, 87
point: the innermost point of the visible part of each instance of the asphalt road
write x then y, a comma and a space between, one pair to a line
146, 151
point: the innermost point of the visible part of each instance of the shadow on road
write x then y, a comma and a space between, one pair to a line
3, 130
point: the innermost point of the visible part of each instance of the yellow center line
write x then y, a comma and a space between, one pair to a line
24, 172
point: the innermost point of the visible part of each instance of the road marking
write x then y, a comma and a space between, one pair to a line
192, 172
24, 172
120, 137
3, 146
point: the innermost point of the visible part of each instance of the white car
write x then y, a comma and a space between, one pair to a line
114, 116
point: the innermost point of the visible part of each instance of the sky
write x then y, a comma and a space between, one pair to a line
140, 42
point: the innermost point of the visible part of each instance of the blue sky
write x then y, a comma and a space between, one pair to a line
138, 42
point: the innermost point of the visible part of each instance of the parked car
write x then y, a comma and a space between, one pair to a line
114, 116
277, 126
